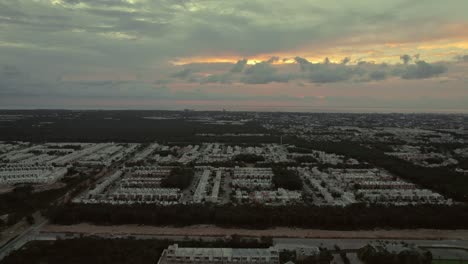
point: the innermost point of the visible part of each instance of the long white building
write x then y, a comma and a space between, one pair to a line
175, 254
31, 174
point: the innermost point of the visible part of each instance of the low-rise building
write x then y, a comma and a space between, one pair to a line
31, 174
175, 254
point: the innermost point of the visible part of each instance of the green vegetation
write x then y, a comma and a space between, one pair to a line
22, 202
344, 257
354, 217
164, 153
248, 158
299, 150
179, 178
448, 261
287, 255
463, 163
121, 126
324, 257
306, 159
286, 179
381, 255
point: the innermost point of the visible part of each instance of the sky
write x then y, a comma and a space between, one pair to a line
261, 55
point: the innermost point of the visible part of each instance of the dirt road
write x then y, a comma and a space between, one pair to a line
208, 230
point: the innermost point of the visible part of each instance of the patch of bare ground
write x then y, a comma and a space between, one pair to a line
214, 231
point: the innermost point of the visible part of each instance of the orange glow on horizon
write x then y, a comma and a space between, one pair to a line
379, 53
250, 61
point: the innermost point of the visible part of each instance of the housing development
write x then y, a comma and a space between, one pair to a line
209, 170
154, 173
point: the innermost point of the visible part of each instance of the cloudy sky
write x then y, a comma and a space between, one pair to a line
297, 55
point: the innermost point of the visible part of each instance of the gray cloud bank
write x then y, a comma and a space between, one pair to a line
42, 40
325, 72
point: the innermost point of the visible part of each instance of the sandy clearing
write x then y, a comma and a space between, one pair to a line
208, 230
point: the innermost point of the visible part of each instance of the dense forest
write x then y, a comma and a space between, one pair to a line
179, 177
357, 216
286, 179
22, 201
248, 158
121, 126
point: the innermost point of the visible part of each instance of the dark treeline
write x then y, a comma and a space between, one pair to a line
413, 255
113, 251
22, 201
443, 180
299, 150
179, 178
356, 216
286, 179
306, 159
248, 158
324, 257
119, 126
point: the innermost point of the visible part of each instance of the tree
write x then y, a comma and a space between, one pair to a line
30, 219
178, 178
286, 179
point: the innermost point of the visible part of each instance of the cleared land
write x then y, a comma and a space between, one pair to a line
207, 230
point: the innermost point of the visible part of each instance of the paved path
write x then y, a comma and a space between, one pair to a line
210, 230
28, 235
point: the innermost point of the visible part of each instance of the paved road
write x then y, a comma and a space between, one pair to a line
32, 232
358, 243
279, 242
21, 239
441, 248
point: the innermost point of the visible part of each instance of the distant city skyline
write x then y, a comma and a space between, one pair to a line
265, 55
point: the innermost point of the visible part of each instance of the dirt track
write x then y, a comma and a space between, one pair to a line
207, 230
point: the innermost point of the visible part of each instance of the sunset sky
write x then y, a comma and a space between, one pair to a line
296, 55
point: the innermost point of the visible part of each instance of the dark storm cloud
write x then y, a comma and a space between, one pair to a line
304, 63
346, 60
462, 58
262, 73
273, 59
329, 72
183, 74
326, 73
378, 75
423, 70
239, 66
218, 78
10, 71
405, 58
